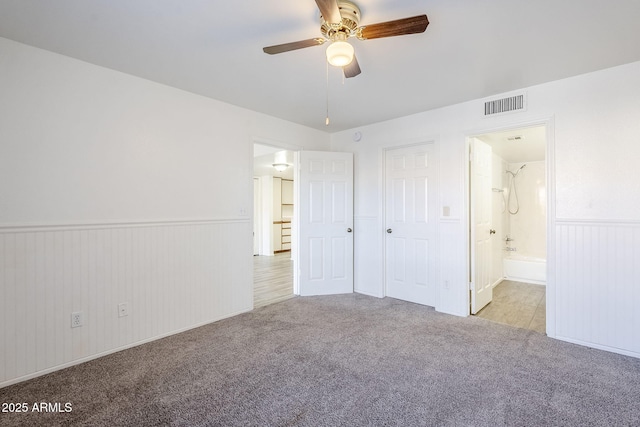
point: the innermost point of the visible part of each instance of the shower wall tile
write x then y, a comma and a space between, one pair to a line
499, 217
528, 226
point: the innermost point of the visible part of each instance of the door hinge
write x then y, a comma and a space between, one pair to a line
471, 287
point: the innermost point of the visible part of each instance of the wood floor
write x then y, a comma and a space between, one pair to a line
272, 279
518, 304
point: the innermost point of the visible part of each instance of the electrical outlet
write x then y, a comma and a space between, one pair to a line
123, 309
76, 319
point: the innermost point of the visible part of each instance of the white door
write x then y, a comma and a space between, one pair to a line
410, 183
326, 223
256, 216
481, 232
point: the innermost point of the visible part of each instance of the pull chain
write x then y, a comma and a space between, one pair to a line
326, 121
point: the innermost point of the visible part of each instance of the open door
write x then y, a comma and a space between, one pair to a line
326, 223
480, 224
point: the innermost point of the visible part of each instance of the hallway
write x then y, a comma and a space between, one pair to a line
272, 279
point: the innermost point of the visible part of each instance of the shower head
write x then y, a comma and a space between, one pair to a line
513, 174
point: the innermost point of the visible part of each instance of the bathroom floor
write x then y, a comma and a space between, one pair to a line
518, 304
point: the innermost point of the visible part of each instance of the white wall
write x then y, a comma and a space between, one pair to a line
594, 229
117, 189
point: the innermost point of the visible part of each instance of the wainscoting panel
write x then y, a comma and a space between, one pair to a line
598, 284
172, 276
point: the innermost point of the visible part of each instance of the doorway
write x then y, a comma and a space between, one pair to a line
273, 264
319, 238
508, 230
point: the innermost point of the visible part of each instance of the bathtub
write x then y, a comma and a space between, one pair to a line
525, 269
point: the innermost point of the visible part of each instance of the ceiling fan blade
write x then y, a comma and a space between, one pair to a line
399, 27
352, 69
330, 11
279, 48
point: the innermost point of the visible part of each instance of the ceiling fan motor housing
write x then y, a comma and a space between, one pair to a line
350, 14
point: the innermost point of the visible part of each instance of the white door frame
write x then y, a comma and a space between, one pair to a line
548, 122
383, 204
257, 216
296, 200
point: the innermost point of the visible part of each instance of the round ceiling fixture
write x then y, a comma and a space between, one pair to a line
340, 53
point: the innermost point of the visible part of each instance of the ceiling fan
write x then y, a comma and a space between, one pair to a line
340, 20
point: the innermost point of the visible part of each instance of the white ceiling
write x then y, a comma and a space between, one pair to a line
471, 49
264, 156
518, 145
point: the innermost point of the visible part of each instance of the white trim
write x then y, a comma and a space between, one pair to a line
550, 171
598, 346
371, 294
599, 222
295, 224
274, 143
97, 225
115, 350
257, 219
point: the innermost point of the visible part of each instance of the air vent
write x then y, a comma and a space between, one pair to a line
504, 105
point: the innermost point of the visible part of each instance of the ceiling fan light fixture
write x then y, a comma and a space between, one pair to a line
340, 53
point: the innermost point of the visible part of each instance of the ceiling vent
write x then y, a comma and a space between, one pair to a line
505, 105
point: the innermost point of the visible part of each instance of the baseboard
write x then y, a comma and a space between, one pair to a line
371, 294
524, 280
115, 350
599, 346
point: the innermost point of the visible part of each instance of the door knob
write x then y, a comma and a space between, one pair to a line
349, 230
389, 230
492, 231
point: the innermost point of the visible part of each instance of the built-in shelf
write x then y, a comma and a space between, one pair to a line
282, 214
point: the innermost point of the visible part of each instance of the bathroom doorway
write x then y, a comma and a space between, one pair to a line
508, 226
